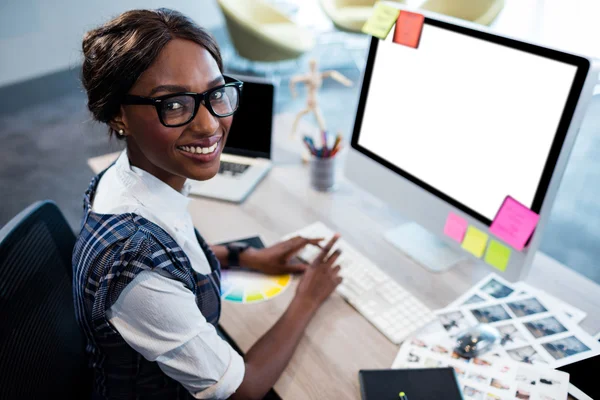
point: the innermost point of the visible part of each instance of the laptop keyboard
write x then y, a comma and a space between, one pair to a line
234, 169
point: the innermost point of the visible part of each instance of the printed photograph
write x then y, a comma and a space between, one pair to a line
496, 289
546, 397
549, 382
522, 378
490, 314
418, 342
479, 378
544, 327
498, 384
523, 308
454, 322
527, 355
510, 336
523, 394
491, 396
565, 347
460, 373
482, 362
472, 393
413, 358
474, 299
431, 363
440, 349
456, 356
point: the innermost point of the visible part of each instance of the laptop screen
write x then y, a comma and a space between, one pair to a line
250, 133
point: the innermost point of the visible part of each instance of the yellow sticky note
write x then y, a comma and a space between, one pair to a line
475, 241
381, 21
497, 255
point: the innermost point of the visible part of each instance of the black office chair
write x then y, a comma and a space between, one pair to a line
41, 345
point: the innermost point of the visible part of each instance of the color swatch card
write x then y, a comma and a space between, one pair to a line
514, 223
381, 21
244, 286
475, 241
456, 227
408, 29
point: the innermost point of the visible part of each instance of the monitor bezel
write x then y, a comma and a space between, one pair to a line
583, 66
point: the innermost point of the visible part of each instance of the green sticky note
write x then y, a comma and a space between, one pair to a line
381, 21
475, 241
497, 255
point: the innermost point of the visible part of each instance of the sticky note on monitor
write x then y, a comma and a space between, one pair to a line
381, 21
408, 29
456, 227
497, 255
514, 223
475, 241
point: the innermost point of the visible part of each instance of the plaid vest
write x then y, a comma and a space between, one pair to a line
109, 253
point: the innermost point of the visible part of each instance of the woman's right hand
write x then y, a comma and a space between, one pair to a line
321, 278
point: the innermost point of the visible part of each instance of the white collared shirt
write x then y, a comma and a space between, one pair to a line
186, 347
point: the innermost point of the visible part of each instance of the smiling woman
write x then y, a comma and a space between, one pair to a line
146, 284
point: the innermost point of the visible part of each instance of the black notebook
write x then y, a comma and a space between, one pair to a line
417, 384
254, 241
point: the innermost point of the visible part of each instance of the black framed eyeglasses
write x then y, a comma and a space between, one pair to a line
178, 109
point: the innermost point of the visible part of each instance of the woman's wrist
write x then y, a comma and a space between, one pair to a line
302, 304
247, 257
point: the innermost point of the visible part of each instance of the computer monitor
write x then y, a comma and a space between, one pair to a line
461, 122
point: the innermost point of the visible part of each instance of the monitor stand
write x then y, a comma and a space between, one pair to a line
424, 248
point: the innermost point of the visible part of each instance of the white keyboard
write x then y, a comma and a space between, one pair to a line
384, 303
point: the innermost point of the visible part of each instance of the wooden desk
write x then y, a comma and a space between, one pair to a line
339, 341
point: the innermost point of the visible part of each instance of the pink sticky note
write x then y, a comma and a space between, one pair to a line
514, 223
456, 227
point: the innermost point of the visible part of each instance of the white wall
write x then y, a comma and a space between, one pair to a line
38, 37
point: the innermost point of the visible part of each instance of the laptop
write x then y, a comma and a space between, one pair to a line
246, 158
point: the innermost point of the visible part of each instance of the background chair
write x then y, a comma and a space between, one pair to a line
41, 345
482, 12
260, 32
349, 15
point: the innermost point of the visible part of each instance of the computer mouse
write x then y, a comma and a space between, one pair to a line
476, 341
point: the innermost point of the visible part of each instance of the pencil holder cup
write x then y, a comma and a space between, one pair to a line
323, 173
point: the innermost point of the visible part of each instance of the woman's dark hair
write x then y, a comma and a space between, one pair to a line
118, 52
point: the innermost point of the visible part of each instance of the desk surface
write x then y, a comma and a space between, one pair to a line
339, 341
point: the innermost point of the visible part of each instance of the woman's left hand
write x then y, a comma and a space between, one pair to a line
279, 258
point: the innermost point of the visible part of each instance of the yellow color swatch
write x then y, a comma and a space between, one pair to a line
497, 255
272, 292
475, 241
381, 21
254, 296
282, 280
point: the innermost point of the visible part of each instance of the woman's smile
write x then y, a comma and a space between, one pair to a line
203, 150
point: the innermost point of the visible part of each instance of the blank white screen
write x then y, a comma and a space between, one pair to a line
471, 118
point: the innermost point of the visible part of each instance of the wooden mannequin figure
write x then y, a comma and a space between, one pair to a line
313, 81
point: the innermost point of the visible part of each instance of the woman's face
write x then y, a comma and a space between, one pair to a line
182, 66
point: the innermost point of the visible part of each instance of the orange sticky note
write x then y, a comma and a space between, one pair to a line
408, 29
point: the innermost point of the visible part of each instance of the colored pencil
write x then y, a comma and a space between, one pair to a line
311, 145
325, 149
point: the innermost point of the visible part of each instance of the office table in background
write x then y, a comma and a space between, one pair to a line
339, 341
